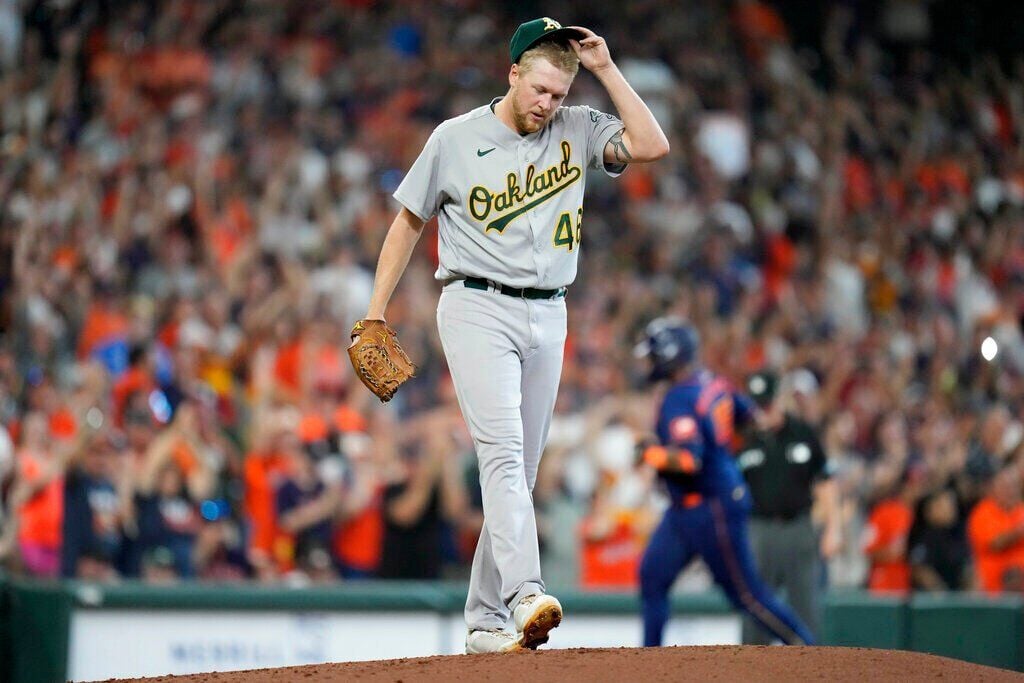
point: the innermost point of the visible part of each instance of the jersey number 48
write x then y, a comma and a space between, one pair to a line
564, 235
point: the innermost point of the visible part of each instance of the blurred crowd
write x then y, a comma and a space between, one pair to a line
193, 194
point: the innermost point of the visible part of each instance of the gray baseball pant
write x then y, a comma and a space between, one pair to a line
505, 357
786, 552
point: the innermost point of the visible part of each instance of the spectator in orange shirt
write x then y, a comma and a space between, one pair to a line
887, 534
612, 547
38, 499
264, 469
359, 528
995, 530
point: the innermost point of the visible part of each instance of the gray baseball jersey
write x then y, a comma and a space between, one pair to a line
510, 209
509, 206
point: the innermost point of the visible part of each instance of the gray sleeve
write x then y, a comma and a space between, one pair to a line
420, 189
600, 129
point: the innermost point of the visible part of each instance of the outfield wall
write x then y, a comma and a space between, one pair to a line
61, 631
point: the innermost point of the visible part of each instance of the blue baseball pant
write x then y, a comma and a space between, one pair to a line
719, 536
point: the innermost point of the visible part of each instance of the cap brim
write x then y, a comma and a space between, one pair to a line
564, 33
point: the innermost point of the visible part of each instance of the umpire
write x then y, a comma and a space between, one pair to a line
784, 465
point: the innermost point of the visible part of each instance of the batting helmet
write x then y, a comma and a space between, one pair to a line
670, 343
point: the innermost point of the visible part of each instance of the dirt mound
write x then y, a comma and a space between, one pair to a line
647, 665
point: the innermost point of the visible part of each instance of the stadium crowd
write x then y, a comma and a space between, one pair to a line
193, 195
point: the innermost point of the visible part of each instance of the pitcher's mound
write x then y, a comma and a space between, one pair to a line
643, 665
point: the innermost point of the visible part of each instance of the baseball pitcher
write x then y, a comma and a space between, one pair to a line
506, 181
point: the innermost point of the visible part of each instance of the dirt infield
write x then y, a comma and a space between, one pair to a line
719, 663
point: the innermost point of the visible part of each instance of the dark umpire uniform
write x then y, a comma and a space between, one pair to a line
783, 462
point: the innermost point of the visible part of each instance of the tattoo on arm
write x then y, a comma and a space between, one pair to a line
622, 154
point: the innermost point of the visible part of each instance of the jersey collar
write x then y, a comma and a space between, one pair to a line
696, 377
512, 135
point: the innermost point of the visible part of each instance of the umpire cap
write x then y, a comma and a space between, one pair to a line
670, 343
763, 386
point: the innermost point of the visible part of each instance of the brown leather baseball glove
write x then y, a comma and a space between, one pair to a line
379, 361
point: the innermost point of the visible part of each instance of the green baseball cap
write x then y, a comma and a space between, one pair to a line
532, 32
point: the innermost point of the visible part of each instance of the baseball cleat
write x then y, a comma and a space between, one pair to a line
535, 616
494, 640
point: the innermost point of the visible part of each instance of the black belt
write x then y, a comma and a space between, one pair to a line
521, 293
